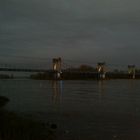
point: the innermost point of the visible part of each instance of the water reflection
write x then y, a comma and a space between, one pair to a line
101, 86
131, 84
101, 89
57, 91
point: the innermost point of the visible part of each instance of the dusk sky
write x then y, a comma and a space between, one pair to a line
79, 30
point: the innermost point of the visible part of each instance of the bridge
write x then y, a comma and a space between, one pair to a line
57, 66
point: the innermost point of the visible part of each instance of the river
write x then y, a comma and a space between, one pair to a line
82, 110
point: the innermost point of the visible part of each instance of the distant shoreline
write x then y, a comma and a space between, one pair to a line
74, 76
83, 76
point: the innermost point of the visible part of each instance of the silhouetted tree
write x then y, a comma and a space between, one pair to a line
86, 68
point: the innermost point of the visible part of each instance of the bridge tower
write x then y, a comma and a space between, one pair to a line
132, 71
101, 70
57, 63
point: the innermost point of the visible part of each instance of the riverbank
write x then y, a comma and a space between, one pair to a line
13, 127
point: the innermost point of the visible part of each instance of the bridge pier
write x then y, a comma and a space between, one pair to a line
57, 63
132, 71
101, 70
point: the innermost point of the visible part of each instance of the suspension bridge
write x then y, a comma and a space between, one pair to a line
57, 66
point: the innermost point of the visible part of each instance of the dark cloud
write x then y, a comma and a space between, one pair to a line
94, 30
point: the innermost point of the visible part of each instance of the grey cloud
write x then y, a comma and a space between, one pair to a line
93, 29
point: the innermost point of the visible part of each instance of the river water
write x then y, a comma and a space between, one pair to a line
82, 110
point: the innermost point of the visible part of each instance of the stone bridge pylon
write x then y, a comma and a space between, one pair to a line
57, 65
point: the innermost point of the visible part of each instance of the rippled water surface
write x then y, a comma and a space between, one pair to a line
95, 110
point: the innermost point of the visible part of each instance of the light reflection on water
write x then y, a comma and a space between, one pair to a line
84, 109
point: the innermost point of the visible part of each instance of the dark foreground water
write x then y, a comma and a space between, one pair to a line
82, 110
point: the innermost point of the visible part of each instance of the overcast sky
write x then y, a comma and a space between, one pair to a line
79, 30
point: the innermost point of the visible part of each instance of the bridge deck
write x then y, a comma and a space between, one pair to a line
24, 70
